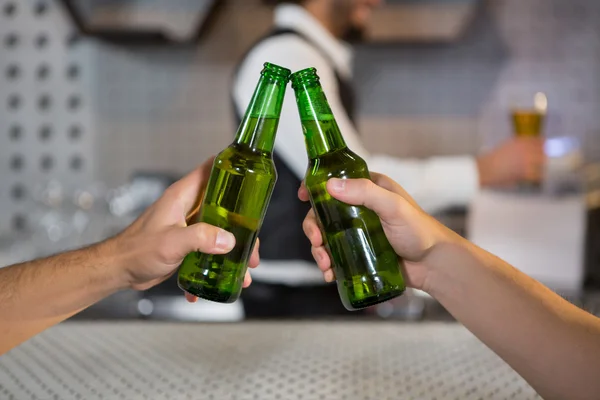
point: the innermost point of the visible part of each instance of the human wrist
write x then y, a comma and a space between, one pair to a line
115, 257
483, 168
441, 260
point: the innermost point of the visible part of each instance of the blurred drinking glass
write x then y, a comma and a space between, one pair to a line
528, 114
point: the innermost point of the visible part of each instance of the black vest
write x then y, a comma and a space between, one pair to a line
281, 235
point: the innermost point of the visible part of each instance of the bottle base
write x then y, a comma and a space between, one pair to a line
210, 294
370, 301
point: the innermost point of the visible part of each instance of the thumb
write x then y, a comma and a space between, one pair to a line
363, 192
200, 237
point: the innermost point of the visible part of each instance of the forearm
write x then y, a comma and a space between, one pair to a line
554, 345
41, 293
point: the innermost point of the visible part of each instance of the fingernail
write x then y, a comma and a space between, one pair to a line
338, 185
225, 240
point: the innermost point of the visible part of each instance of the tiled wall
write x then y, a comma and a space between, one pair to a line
45, 108
154, 108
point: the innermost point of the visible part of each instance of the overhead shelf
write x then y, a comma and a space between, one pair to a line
421, 21
138, 23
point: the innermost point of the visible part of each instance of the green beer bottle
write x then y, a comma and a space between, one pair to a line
366, 266
238, 193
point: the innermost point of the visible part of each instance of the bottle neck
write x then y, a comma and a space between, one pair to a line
259, 125
321, 132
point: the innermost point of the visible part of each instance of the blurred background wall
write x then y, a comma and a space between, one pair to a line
82, 110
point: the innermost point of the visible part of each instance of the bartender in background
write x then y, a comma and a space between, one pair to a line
311, 33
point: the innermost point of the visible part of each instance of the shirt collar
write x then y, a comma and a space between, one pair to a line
296, 17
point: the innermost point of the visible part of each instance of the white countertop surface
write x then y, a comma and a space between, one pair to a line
263, 361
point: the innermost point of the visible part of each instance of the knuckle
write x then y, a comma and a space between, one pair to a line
356, 187
365, 185
310, 223
316, 255
329, 276
321, 257
172, 190
169, 196
204, 236
307, 224
361, 184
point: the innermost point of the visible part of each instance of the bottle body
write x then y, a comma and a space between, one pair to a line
366, 266
239, 190
236, 199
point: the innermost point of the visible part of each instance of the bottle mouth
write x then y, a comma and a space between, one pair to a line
304, 77
276, 72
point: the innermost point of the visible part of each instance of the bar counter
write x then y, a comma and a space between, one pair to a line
257, 360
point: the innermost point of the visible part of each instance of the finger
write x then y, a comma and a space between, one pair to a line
389, 184
537, 141
247, 279
190, 298
329, 276
380, 179
254, 258
363, 192
534, 172
311, 229
529, 140
537, 157
385, 182
535, 148
199, 237
321, 257
535, 166
303, 192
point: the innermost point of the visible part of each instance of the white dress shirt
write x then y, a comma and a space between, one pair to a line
435, 183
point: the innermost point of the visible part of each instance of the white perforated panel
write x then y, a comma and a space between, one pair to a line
353, 361
44, 106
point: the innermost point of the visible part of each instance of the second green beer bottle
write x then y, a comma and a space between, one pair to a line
366, 266
238, 193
